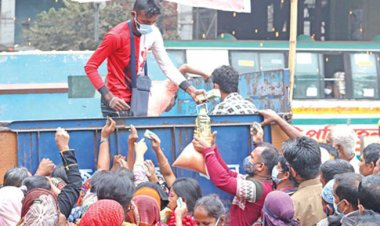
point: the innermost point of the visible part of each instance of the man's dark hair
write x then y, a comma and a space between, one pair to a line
269, 156
189, 190
151, 7
227, 79
96, 180
15, 176
116, 187
61, 173
330, 168
371, 153
125, 172
332, 151
369, 192
347, 187
36, 182
304, 156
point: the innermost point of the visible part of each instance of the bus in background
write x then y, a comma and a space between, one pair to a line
335, 82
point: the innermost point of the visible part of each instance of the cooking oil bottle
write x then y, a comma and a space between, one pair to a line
203, 123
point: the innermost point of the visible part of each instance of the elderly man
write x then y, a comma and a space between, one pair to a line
343, 138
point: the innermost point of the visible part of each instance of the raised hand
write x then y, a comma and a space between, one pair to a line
45, 168
269, 116
156, 142
150, 170
132, 135
141, 147
108, 128
62, 139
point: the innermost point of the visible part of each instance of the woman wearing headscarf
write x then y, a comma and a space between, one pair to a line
278, 210
104, 212
145, 206
40, 208
10, 204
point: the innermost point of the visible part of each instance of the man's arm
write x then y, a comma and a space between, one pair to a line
106, 47
104, 50
132, 138
272, 117
218, 174
104, 154
185, 68
70, 193
223, 164
163, 162
169, 69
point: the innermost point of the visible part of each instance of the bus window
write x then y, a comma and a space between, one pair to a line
364, 78
334, 76
244, 61
307, 76
271, 61
179, 56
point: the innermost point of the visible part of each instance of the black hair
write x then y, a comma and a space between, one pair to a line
347, 185
212, 204
227, 78
151, 7
15, 176
189, 190
331, 150
304, 156
96, 179
369, 192
330, 168
33, 182
269, 156
125, 172
115, 187
61, 173
371, 153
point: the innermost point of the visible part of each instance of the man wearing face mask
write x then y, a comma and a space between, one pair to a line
282, 178
346, 194
250, 190
116, 48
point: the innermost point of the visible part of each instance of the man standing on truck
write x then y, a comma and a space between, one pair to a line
116, 48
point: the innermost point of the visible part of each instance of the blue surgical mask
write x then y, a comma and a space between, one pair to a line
143, 28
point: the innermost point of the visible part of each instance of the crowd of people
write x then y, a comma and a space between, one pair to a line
302, 183
291, 186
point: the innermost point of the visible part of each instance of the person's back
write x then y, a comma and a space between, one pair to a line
304, 157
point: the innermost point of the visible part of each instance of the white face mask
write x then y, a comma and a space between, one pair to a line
217, 222
328, 91
275, 174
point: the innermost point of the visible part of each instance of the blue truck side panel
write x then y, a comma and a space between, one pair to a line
35, 140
